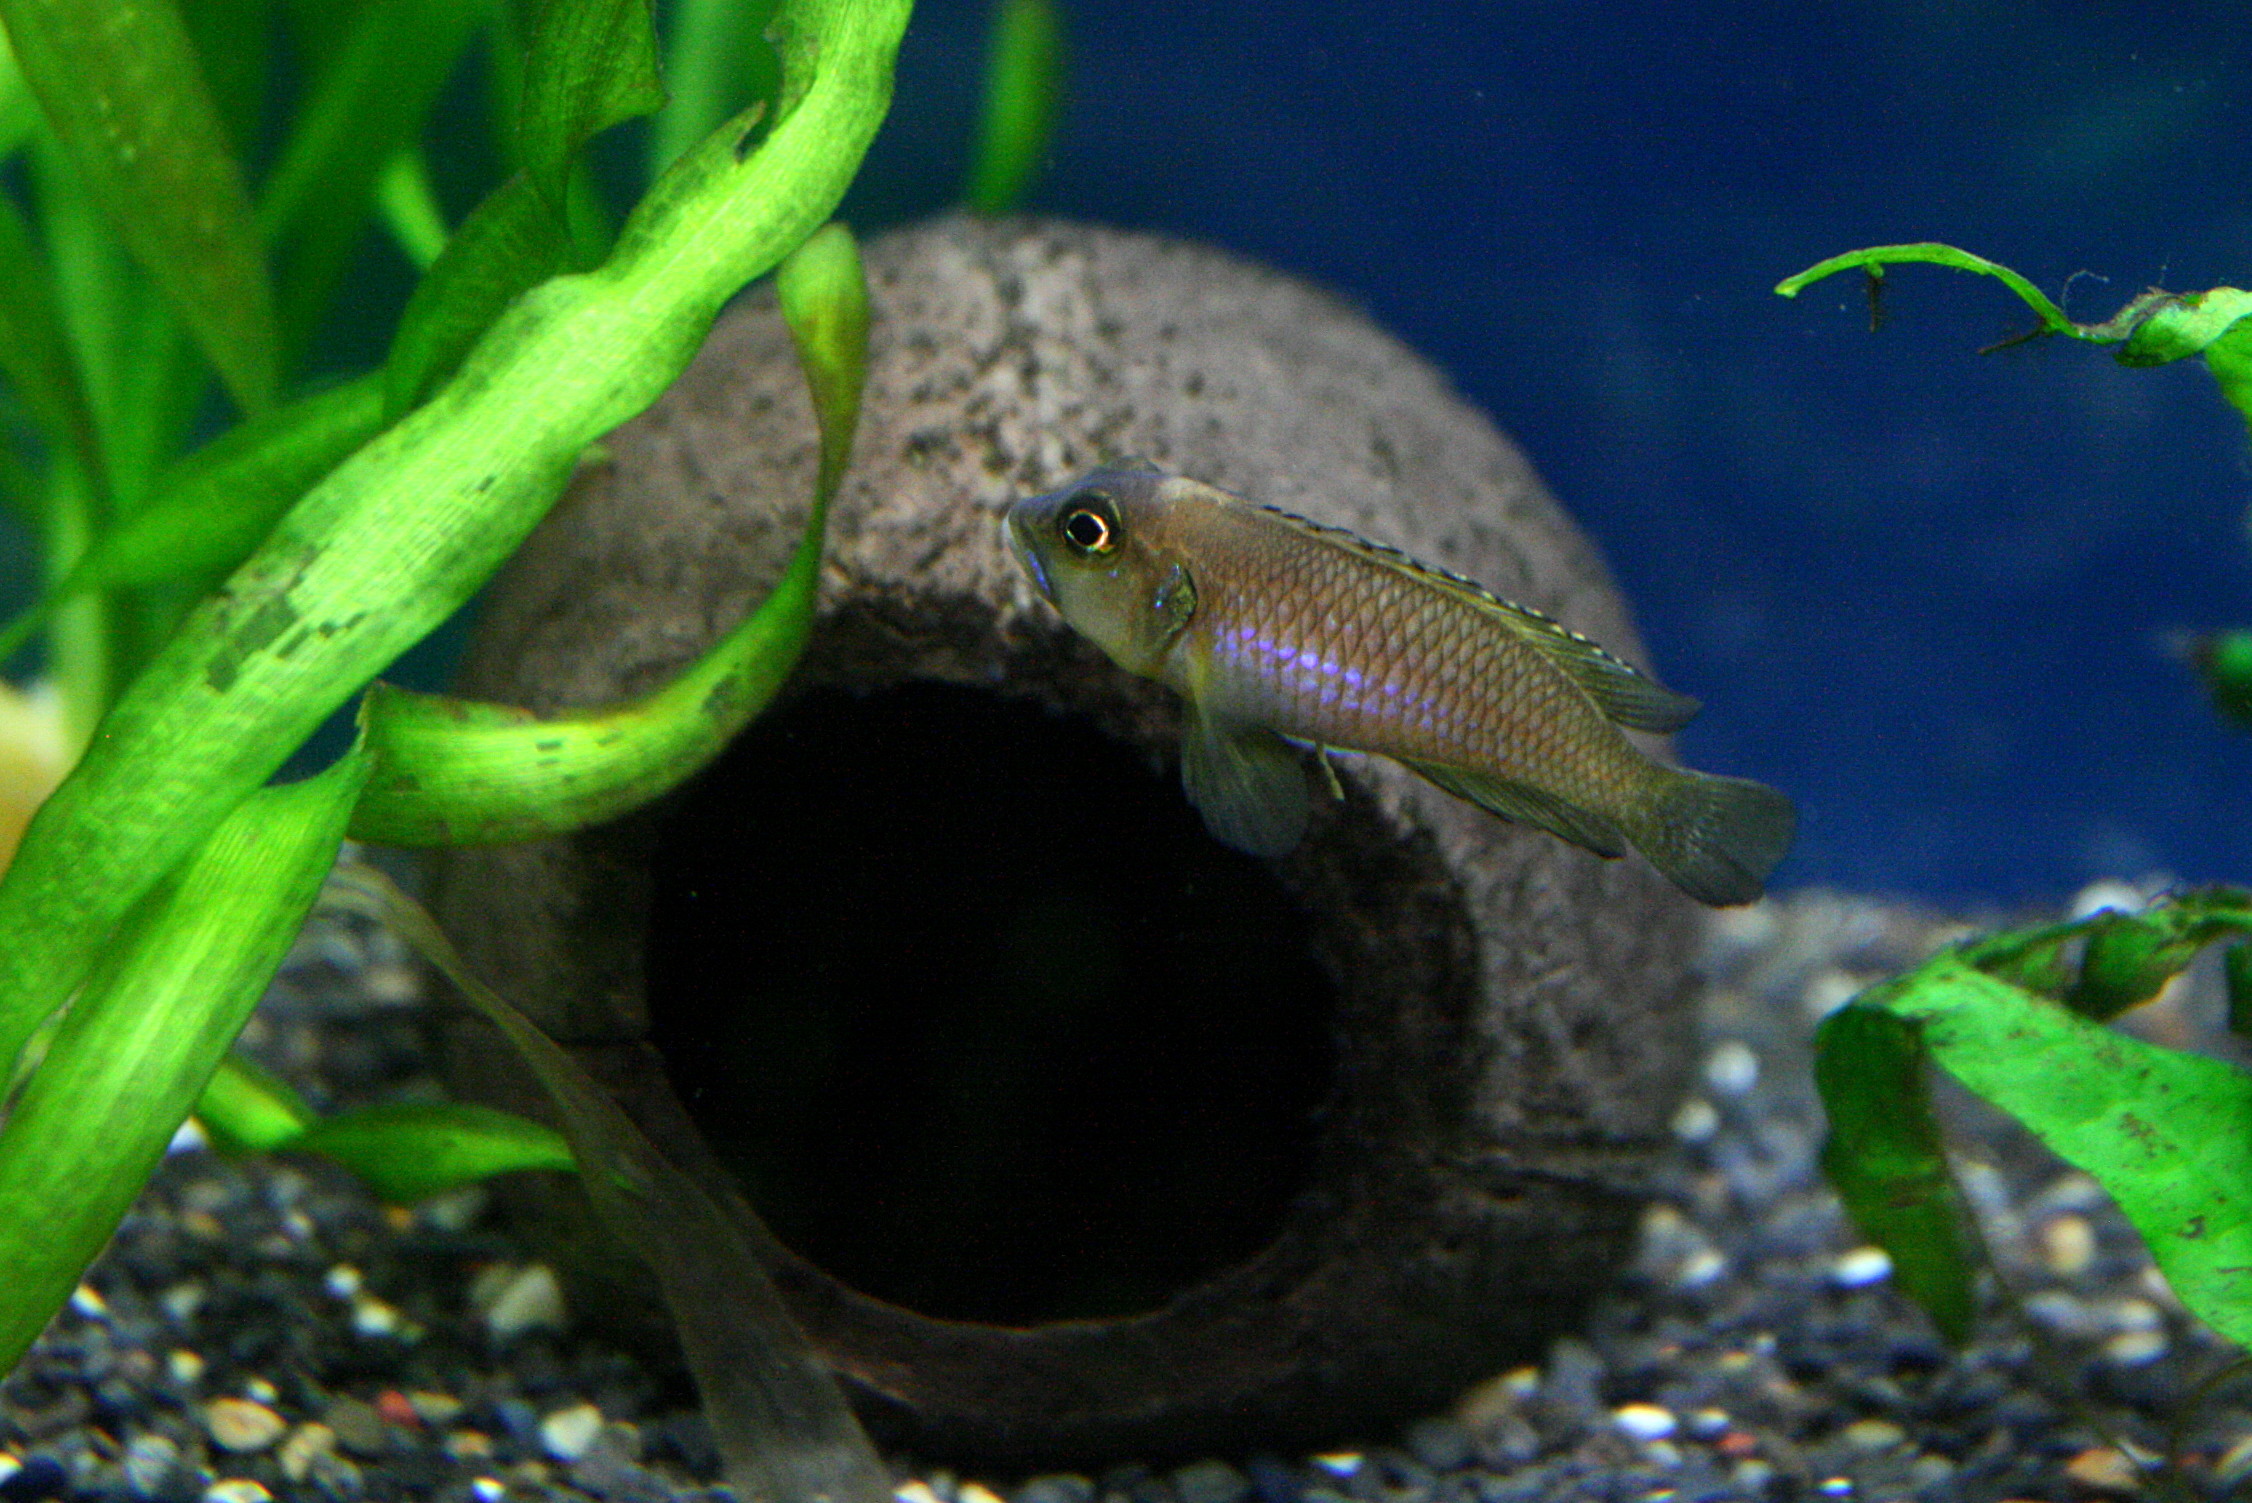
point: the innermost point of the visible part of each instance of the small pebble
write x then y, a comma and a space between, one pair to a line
2235, 1463
344, 1281
1835, 1487
359, 1429
566, 1434
2107, 892
186, 1367
237, 1490
1440, 1443
488, 1489
468, 1445
2068, 1245
242, 1425
1732, 1069
1696, 1121
306, 1444
1701, 1268
188, 1137
1861, 1267
1338, 1463
2104, 1469
1830, 990
529, 1300
1056, 1487
2135, 1348
916, 1490
86, 1300
1208, 1481
975, 1492
1872, 1435
373, 1317
435, 1409
149, 1463
1645, 1421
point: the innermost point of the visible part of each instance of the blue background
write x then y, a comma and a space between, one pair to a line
1926, 592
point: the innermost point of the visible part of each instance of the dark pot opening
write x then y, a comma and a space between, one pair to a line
982, 1019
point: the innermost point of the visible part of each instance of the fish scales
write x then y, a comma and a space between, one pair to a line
1310, 638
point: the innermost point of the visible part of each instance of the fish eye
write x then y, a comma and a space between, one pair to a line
1088, 523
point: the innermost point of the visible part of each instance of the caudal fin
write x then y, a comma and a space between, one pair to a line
1717, 838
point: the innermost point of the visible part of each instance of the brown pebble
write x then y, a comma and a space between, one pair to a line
242, 1424
2104, 1469
359, 1429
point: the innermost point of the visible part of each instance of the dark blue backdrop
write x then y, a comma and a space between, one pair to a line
1924, 591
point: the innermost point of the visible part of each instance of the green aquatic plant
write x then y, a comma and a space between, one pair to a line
206, 611
2020, 1017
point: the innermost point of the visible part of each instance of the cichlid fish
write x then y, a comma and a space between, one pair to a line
1278, 630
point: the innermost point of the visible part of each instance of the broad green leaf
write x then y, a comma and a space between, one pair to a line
233, 41
365, 105
1023, 91
458, 772
718, 62
1885, 1158
35, 353
138, 1045
247, 1109
589, 64
2168, 1135
514, 240
119, 84
401, 533
220, 502
781, 1426
407, 1150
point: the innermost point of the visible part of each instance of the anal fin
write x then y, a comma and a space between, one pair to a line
1247, 783
1524, 804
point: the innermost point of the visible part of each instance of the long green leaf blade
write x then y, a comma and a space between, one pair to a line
34, 351
411, 1149
456, 772
717, 62
247, 1109
119, 83
590, 64
1023, 94
403, 532
135, 1050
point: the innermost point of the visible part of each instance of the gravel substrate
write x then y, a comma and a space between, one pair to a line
266, 1329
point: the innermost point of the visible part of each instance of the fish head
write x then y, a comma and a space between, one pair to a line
1096, 551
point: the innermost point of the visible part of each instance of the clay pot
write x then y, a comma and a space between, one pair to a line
1089, 1138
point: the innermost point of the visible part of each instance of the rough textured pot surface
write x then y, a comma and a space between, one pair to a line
1510, 1017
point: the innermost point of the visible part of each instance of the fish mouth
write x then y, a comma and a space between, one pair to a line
1013, 527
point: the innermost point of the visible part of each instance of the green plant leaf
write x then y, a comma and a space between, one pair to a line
119, 84
410, 207
589, 64
458, 772
233, 41
35, 353
1023, 93
1885, 1158
718, 63
138, 1045
401, 533
2223, 661
782, 1428
407, 1150
2166, 1134
246, 1108
220, 502
514, 240
366, 103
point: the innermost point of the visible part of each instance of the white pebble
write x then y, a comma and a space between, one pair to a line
2068, 1245
9, 1466
1872, 1435
1700, 1269
186, 1367
567, 1434
1829, 990
87, 1301
916, 1490
188, 1137
237, 1490
242, 1424
343, 1281
2130, 1314
1645, 1421
975, 1492
306, 1444
372, 1317
1696, 1121
530, 1300
487, 1489
1731, 1069
1338, 1463
2134, 1348
1861, 1267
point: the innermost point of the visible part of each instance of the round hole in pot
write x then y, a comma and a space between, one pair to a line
982, 1019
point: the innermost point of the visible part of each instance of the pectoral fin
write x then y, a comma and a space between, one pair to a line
1247, 784
1526, 805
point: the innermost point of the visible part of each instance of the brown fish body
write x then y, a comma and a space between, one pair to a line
1272, 626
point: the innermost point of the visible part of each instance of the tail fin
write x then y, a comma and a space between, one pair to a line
1716, 838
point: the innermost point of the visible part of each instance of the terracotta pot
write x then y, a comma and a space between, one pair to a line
1089, 1137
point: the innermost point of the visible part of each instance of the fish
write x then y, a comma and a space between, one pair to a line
1281, 634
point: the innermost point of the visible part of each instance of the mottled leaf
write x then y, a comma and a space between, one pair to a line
515, 240
588, 65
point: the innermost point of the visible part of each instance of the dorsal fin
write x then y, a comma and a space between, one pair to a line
1622, 692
